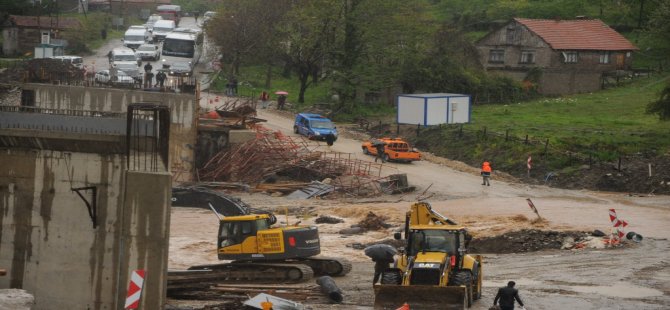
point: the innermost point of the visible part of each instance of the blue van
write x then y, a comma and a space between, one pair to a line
314, 126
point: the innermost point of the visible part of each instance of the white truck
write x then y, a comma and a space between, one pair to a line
135, 37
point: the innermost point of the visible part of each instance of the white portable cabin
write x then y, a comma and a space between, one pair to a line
433, 109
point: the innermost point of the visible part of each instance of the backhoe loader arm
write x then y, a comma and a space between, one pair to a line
421, 213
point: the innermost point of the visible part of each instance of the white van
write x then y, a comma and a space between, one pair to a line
162, 28
135, 37
124, 59
151, 21
73, 60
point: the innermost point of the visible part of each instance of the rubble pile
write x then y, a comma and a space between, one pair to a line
10, 95
255, 160
527, 240
374, 222
45, 70
325, 219
278, 163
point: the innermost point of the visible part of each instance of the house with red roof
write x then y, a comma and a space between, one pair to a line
556, 56
21, 34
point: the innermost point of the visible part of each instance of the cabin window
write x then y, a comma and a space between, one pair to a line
570, 57
497, 56
604, 57
527, 57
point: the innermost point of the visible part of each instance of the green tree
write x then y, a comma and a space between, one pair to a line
245, 29
661, 107
308, 35
379, 38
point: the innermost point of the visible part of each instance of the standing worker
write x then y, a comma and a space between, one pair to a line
147, 69
507, 295
264, 99
380, 266
330, 139
380, 151
281, 100
486, 173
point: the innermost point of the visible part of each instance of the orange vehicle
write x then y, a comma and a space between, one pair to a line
395, 149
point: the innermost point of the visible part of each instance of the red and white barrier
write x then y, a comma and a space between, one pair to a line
135, 289
617, 226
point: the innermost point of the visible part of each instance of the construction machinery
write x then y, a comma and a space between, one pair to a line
434, 271
263, 253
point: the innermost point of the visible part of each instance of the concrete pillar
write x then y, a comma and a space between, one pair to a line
145, 235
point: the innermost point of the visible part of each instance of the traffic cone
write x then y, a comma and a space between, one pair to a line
404, 307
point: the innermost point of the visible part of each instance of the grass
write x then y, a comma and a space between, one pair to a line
251, 82
609, 119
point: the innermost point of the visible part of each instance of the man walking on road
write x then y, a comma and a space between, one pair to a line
486, 173
507, 295
380, 152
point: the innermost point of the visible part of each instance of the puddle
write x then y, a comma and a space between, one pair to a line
623, 290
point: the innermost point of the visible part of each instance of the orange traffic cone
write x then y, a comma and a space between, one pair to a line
404, 307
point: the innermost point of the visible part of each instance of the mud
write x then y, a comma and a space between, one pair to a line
525, 241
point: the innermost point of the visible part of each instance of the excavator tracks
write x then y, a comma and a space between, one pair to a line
240, 272
327, 266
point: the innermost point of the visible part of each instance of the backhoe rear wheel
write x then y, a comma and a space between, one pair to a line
464, 278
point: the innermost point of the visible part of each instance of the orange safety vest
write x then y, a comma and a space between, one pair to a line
486, 167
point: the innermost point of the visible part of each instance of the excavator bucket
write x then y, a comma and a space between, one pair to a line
420, 297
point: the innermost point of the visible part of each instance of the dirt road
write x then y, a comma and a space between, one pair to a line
636, 277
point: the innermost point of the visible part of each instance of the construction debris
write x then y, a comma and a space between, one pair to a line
527, 240
330, 289
314, 189
325, 219
272, 156
374, 222
258, 302
199, 197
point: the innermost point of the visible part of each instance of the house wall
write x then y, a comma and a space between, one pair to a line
519, 39
184, 109
10, 41
49, 245
558, 77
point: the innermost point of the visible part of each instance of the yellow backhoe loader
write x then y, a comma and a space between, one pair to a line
434, 271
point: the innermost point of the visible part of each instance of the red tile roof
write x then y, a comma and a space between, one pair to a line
45, 22
582, 34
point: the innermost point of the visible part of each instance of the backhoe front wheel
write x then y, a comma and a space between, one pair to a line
463, 278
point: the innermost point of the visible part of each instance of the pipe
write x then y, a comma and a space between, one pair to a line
329, 288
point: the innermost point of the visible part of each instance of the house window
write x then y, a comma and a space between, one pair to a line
570, 57
527, 57
497, 56
604, 57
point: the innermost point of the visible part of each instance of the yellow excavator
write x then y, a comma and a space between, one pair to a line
263, 253
434, 271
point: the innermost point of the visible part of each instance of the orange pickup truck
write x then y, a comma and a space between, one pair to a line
395, 149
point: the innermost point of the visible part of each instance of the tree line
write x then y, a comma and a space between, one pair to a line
377, 46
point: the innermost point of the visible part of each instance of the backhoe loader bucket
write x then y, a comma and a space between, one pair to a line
420, 297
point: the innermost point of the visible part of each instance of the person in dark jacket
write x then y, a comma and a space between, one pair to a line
380, 266
330, 139
380, 151
507, 295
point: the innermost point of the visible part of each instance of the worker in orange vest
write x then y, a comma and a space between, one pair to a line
486, 173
